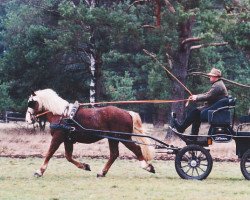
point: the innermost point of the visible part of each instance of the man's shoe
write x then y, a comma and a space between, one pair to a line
177, 126
173, 115
173, 120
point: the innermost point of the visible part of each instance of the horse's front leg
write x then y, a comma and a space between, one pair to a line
56, 141
114, 153
68, 154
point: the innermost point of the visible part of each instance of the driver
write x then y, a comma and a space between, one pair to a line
215, 98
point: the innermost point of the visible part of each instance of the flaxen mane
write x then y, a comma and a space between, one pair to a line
50, 100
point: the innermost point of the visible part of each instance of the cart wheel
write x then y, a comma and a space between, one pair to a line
245, 164
193, 162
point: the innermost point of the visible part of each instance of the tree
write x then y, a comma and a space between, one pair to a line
189, 26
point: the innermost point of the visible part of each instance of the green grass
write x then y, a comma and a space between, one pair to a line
125, 180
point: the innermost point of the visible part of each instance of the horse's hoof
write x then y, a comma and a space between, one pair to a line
151, 168
87, 167
100, 175
37, 175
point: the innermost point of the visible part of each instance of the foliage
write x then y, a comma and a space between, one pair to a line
47, 44
119, 87
5, 100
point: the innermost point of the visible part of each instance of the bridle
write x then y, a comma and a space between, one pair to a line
41, 114
33, 116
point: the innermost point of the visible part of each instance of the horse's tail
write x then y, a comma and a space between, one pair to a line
147, 149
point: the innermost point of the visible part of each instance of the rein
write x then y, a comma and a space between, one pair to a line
41, 114
134, 102
123, 102
155, 101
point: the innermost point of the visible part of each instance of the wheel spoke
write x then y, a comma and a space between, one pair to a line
197, 171
202, 158
183, 166
190, 153
192, 171
204, 165
200, 155
201, 169
186, 156
188, 170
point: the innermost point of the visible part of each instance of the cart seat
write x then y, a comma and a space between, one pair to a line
222, 116
219, 118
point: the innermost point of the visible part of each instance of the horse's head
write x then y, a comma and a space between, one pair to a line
44, 100
34, 107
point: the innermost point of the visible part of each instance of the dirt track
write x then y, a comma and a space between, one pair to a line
17, 140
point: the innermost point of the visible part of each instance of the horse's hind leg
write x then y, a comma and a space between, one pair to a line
114, 153
68, 154
56, 141
136, 149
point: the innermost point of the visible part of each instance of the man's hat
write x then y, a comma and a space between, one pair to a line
214, 72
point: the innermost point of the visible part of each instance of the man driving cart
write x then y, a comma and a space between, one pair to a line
215, 98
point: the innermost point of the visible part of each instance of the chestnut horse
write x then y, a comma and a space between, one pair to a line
108, 118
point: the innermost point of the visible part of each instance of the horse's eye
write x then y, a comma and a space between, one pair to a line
32, 104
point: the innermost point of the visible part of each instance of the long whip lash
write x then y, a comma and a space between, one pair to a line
149, 101
171, 74
224, 79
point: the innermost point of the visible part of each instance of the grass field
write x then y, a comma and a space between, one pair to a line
124, 181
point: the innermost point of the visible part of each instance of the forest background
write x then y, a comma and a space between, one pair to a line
92, 50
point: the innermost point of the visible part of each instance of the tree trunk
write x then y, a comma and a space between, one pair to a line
158, 13
92, 90
92, 85
180, 68
96, 83
99, 88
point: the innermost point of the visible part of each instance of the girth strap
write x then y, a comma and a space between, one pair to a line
62, 127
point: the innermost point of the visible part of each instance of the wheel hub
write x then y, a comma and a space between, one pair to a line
193, 163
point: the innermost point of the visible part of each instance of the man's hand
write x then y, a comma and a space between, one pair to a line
193, 97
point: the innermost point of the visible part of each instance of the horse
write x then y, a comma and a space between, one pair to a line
109, 118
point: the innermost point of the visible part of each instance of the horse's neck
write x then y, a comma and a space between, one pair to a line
53, 118
56, 107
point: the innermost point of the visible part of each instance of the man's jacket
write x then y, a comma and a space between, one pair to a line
218, 91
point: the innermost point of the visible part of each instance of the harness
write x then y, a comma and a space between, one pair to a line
67, 124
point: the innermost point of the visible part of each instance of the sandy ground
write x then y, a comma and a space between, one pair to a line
18, 140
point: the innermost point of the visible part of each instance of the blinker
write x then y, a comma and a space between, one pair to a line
32, 104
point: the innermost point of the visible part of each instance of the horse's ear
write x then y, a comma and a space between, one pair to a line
33, 93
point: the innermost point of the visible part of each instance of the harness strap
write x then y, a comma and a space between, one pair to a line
74, 109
